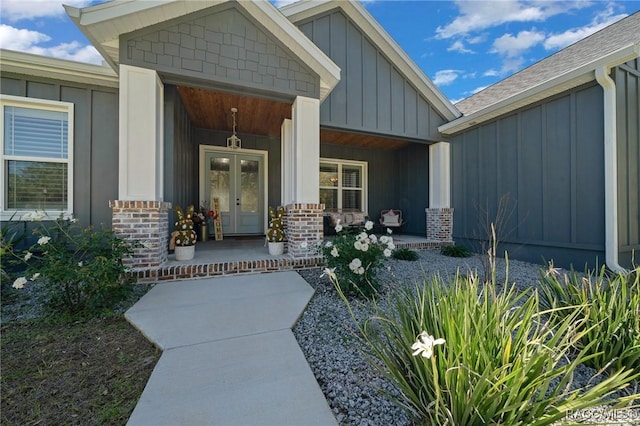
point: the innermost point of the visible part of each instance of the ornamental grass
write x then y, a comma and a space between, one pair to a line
462, 352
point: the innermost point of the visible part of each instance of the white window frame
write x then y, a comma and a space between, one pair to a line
47, 105
365, 179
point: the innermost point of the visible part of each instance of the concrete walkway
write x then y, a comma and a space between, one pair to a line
229, 355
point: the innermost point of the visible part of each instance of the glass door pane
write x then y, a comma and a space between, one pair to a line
220, 181
249, 185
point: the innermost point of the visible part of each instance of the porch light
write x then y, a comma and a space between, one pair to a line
234, 141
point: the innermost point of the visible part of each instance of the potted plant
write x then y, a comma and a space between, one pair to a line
275, 233
184, 238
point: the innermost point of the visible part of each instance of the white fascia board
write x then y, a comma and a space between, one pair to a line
291, 36
307, 9
563, 82
61, 69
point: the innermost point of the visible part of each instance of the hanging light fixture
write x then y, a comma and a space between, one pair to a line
234, 141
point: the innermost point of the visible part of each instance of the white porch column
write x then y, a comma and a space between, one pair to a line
140, 215
141, 134
286, 150
301, 179
306, 150
440, 214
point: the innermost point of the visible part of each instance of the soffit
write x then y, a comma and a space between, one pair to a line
360, 140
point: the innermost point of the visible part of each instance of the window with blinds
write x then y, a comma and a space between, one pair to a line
343, 184
36, 155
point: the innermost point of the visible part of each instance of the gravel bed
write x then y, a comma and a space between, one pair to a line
356, 393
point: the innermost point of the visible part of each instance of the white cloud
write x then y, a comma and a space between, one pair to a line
30, 41
480, 15
458, 46
478, 89
561, 40
491, 73
445, 77
512, 46
15, 10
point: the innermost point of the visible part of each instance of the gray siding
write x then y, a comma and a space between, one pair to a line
627, 79
258, 142
180, 153
544, 165
372, 95
95, 164
396, 179
220, 46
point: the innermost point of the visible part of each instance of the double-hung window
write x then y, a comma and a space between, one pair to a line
343, 184
37, 156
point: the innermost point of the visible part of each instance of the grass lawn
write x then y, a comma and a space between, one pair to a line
86, 372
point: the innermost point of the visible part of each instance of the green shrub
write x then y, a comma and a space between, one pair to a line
462, 354
455, 251
611, 322
82, 268
355, 257
405, 254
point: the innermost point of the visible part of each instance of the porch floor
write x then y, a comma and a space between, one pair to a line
245, 255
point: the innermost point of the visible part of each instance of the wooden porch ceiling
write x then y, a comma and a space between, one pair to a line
258, 116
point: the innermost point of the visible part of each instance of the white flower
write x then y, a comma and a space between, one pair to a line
387, 252
334, 252
73, 220
33, 216
338, 227
35, 276
389, 231
357, 245
359, 271
43, 240
356, 266
364, 246
362, 236
384, 239
19, 282
373, 238
184, 226
303, 245
80, 264
330, 272
328, 244
424, 345
368, 225
391, 246
28, 256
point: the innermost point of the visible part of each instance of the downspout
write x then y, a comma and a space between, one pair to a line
610, 170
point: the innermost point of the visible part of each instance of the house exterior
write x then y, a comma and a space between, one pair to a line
331, 114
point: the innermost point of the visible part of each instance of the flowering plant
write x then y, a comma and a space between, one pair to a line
203, 215
184, 235
81, 267
355, 258
275, 233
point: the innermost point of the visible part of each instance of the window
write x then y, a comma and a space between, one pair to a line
37, 156
343, 184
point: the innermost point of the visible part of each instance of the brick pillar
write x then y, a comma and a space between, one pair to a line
440, 224
147, 223
303, 224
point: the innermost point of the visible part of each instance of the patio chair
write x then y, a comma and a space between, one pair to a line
392, 218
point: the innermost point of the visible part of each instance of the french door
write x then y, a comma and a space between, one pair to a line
237, 180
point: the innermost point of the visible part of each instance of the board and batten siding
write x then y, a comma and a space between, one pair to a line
95, 149
543, 165
372, 96
627, 78
396, 180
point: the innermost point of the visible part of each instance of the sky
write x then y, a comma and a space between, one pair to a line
462, 46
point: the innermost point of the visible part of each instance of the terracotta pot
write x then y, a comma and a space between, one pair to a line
276, 248
185, 252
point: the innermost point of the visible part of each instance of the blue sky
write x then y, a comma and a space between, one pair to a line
463, 46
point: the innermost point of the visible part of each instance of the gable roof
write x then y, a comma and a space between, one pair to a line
305, 9
567, 68
104, 23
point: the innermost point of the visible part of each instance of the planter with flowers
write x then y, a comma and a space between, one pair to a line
184, 238
275, 233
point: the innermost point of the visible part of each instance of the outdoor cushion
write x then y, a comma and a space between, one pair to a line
390, 219
358, 219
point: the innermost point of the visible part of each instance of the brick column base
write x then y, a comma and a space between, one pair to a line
144, 222
440, 224
303, 224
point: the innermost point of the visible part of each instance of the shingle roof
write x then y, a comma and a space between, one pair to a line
607, 40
